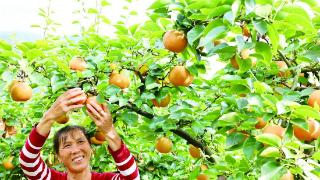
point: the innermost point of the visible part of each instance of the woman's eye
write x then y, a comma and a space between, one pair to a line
66, 146
80, 142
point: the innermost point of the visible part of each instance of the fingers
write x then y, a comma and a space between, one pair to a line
75, 106
94, 112
72, 90
101, 108
73, 93
75, 100
96, 106
93, 117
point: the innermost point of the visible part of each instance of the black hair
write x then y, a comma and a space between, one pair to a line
61, 135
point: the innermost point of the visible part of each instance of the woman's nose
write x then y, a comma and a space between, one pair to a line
75, 149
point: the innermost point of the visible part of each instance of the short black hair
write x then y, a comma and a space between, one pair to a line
61, 135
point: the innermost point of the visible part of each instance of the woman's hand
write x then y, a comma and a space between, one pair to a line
101, 116
64, 103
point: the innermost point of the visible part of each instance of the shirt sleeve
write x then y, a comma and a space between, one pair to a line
30, 160
125, 163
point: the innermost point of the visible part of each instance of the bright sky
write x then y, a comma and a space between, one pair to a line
16, 16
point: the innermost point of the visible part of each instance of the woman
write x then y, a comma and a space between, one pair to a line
72, 145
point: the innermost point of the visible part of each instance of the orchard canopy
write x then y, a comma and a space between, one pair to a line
256, 118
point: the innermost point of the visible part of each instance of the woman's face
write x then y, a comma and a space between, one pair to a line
75, 151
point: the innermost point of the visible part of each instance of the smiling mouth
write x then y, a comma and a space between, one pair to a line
78, 159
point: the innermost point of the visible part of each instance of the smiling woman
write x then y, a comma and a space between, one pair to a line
72, 144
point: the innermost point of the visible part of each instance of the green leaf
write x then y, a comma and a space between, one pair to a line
230, 160
264, 50
104, 3
121, 29
271, 171
270, 152
93, 11
300, 122
214, 33
35, 25
195, 33
5, 45
313, 53
34, 53
133, 28
105, 19
159, 4
229, 119
242, 103
165, 23
244, 64
147, 96
249, 148
270, 99
316, 172
235, 9
7, 76
211, 115
218, 11
151, 83
157, 122
263, 10
289, 9
274, 37
194, 173
316, 156
202, 4
261, 26
112, 90
305, 112
228, 16
185, 113
57, 83
133, 13
198, 17
269, 139
250, 5
261, 87
264, 2
235, 140
296, 16
130, 118
39, 79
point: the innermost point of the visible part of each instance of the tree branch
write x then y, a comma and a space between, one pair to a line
312, 69
131, 106
194, 142
178, 132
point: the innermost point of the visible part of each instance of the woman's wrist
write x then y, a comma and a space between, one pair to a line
47, 118
113, 139
111, 133
44, 126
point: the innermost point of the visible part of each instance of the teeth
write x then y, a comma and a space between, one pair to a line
77, 159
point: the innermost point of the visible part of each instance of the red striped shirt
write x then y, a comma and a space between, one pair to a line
34, 167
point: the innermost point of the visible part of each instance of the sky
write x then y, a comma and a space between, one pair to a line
17, 16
